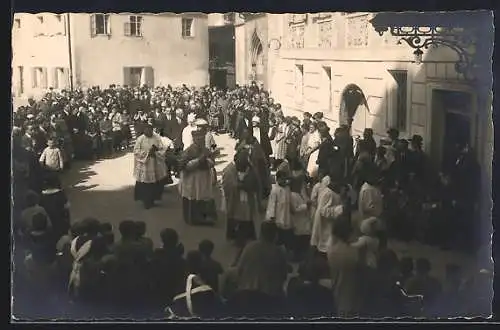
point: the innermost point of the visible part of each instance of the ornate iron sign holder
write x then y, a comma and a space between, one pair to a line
421, 38
422, 31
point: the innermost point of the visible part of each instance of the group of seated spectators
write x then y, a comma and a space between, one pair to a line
90, 273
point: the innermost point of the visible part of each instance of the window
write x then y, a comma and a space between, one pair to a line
39, 77
187, 28
17, 23
100, 25
400, 115
40, 19
58, 78
20, 86
133, 26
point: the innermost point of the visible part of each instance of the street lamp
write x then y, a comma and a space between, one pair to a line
418, 56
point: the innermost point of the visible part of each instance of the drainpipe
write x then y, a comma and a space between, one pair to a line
70, 52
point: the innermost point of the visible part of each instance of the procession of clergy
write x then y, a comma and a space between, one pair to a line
330, 200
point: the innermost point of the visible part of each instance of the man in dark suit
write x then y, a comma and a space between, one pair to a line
178, 124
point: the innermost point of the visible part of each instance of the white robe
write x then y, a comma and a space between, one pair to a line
149, 169
187, 137
312, 167
328, 209
370, 201
300, 218
278, 206
196, 184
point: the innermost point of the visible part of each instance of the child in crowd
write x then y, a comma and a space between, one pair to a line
306, 117
301, 220
324, 181
65, 240
42, 244
55, 202
423, 283
368, 243
279, 207
52, 158
406, 268
317, 117
210, 268
141, 236
32, 208
106, 231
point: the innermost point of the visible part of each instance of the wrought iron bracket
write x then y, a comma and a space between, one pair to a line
460, 40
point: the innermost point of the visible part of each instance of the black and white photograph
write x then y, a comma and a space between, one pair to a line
244, 166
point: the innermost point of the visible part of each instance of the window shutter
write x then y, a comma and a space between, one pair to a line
92, 25
126, 76
66, 82
44, 78
191, 27
150, 76
126, 28
33, 77
55, 78
107, 20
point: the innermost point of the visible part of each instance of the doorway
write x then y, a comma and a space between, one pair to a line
218, 78
453, 124
135, 77
352, 98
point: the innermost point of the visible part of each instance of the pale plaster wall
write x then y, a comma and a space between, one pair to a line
37, 45
367, 67
99, 60
175, 60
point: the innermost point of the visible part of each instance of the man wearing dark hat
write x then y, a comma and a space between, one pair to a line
197, 181
393, 135
417, 158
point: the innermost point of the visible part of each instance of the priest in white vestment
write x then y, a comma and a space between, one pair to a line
150, 170
198, 182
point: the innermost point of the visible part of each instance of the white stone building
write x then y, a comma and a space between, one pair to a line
53, 50
315, 61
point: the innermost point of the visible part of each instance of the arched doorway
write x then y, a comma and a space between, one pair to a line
352, 98
257, 58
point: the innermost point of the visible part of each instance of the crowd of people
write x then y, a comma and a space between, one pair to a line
331, 207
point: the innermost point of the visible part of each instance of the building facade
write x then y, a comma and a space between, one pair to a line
337, 64
251, 34
82, 50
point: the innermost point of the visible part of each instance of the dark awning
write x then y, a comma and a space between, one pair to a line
452, 19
